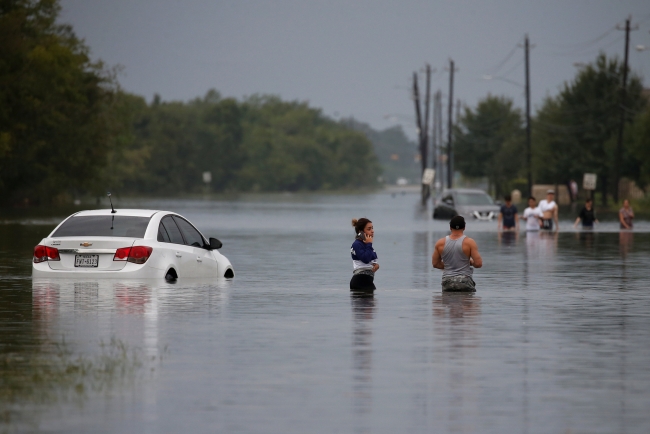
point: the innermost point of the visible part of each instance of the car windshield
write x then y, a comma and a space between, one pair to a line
103, 226
474, 199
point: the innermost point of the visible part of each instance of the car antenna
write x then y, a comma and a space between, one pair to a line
109, 198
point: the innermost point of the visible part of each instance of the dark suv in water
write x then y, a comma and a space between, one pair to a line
466, 202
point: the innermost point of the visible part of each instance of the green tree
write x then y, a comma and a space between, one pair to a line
220, 141
66, 128
124, 160
394, 150
260, 144
168, 132
290, 146
53, 135
636, 162
575, 131
489, 142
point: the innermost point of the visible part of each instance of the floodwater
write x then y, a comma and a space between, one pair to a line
555, 340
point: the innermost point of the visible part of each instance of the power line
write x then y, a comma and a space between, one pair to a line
584, 51
511, 70
496, 69
586, 44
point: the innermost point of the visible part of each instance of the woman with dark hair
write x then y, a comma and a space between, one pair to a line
364, 258
625, 215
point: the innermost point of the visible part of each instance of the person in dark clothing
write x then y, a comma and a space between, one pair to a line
508, 217
364, 257
587, 216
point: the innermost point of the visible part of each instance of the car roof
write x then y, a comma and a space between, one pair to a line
465, 190
118, 212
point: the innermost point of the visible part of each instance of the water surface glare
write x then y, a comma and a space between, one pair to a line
555, 340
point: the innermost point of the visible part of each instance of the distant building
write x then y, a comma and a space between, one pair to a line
627, 189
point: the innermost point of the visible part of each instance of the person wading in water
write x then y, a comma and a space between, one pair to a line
587, 216
364, 258
625, 215
549, 210
455, 255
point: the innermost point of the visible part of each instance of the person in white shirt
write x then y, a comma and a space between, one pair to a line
549, 210
532, 215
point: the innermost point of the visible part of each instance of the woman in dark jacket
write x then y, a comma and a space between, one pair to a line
364, 258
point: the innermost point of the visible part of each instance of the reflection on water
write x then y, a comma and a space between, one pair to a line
363, 311
508, 238
554, 340
460, 308
541, 245
586, 238
625, 242
422, 250
456, 317
133, 299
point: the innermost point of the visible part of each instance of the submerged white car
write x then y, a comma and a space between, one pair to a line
129, 243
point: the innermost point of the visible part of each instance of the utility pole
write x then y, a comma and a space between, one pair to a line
416, 100
424, 142
418, 120
440, 140
458, 109
529, 158
434, 133
423, 126
450, 174
436, 163
619, 145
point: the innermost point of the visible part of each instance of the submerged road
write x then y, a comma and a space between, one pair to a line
556, 338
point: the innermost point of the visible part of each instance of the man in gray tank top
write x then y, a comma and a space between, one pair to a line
455, 255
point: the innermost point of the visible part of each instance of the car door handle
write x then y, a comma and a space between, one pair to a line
178, 255
198, 259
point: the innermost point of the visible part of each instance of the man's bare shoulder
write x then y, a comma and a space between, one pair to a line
441, 242
470, 242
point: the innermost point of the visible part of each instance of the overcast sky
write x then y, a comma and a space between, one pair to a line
353, 57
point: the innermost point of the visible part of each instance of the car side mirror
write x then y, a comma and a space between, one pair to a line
215, 244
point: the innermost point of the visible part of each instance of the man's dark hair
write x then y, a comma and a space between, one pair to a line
532, 197
457, 222
588, 201
507, 198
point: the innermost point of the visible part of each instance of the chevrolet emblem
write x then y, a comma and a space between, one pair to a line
86, 244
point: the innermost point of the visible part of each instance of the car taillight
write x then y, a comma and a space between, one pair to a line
45, 253
135, 254
139, 254
122, 254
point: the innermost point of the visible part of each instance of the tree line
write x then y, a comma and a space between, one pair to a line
259, 144
67, 129
573, 132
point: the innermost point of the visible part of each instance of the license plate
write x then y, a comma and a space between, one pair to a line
86, 260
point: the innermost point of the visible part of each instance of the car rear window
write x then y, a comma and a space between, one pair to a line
474, 199
103, 226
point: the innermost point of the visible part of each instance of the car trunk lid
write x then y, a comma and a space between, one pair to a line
87, 254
